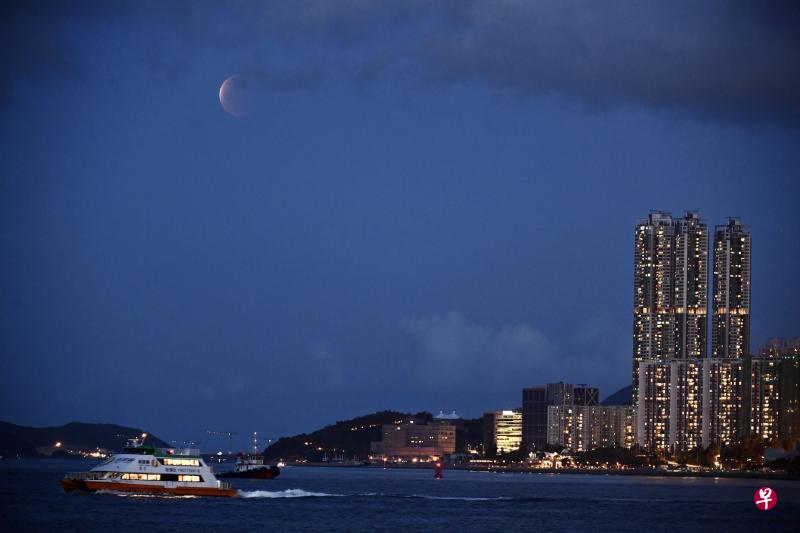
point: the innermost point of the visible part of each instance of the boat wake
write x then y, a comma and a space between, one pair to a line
300, 493
141, 495
288, 493
458, 498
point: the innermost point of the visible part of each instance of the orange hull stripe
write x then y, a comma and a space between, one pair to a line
88, 485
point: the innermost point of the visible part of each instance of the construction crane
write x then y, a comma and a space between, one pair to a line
229, 434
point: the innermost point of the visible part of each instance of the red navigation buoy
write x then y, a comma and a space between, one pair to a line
437, 473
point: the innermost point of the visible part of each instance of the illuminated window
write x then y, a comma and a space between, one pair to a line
174, 461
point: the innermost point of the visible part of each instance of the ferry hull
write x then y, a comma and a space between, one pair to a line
84, 485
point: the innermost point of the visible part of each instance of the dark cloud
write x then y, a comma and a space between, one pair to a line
734, 60
35, 47
716, 58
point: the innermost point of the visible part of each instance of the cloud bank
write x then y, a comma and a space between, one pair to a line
722, 59
453, 350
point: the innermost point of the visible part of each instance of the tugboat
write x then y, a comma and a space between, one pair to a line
252, 465
144, 469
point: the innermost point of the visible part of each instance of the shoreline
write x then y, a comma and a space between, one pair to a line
644, 472
783, 476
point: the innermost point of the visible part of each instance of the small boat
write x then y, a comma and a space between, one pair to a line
252, 466
144, 469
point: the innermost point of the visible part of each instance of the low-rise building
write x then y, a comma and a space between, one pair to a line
415, 441
584, 427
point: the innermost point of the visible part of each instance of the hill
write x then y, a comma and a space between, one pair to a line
624, 396
352, 438
76, 436
349, 438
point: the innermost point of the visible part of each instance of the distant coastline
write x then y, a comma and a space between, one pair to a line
646, 472
74, 440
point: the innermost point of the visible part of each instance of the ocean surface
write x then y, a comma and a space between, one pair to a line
367, 499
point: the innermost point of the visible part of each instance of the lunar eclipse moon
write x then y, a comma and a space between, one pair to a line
231, 97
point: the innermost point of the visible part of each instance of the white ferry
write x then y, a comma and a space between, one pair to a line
148, 470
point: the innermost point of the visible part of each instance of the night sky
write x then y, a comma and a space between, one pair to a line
420, 205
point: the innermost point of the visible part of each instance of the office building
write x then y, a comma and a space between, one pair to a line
534, 418
502, 431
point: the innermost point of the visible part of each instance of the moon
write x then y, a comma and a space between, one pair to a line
231, 97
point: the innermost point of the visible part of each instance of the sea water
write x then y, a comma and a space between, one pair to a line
374, 499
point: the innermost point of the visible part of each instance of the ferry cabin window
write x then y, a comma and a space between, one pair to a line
141, 477
173, 461
181, 477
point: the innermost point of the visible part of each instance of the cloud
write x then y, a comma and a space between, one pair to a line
324, 368
732, 59
454, 351
735, 60
454, 354
593, 329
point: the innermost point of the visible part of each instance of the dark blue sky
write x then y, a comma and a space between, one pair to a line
425, 207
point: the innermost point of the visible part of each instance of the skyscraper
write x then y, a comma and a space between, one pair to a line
652, 276
730, 336
669, 329
728, 371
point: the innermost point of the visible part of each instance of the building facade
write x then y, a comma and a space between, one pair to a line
415, 441
774, 390
789, 420
502, 431
726, 394
584, 395
669, 414
725, 409
764, 396
581, 428
669, 329
730, 335
534, 418
613, 426
535, 401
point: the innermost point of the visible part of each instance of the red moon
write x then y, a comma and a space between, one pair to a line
231, 98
